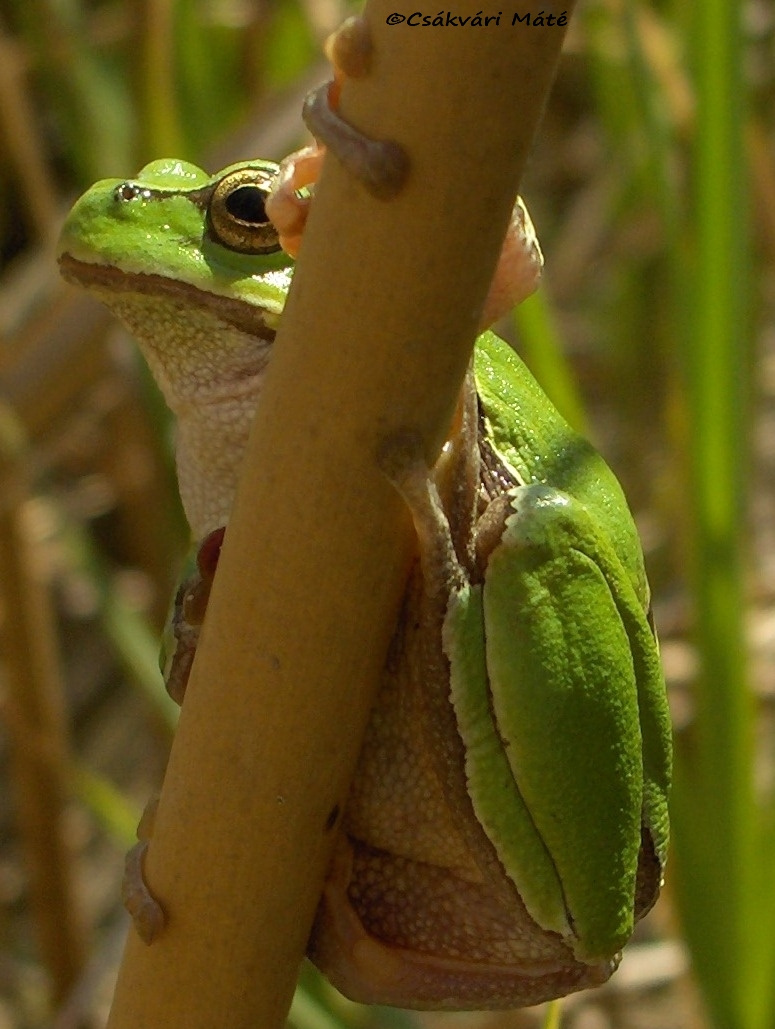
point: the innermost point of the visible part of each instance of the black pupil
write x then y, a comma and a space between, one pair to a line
247, 204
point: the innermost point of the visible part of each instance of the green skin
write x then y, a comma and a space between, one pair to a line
553, 668
553, 649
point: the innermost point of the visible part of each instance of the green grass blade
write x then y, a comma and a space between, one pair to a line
715, 811
106, 803
544, 356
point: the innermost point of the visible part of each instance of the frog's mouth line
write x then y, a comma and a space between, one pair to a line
241, 314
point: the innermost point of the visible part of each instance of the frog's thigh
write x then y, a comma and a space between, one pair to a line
563, 694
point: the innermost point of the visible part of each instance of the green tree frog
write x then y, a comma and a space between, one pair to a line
507, 824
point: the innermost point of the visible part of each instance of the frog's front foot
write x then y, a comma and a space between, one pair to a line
147, 913
286, 207
382, 165
519, 267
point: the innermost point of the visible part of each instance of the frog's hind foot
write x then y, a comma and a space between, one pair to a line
147, 913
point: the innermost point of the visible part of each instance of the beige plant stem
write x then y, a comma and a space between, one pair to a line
35, 718
375, 338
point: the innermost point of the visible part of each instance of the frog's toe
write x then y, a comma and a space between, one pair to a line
147, 913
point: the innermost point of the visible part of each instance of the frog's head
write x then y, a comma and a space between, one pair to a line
193, 267
175, 230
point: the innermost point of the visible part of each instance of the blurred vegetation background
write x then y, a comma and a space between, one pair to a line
652, 185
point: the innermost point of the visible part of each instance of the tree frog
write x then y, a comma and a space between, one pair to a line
508, 823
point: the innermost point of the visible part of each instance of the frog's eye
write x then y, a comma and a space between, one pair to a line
236, 215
